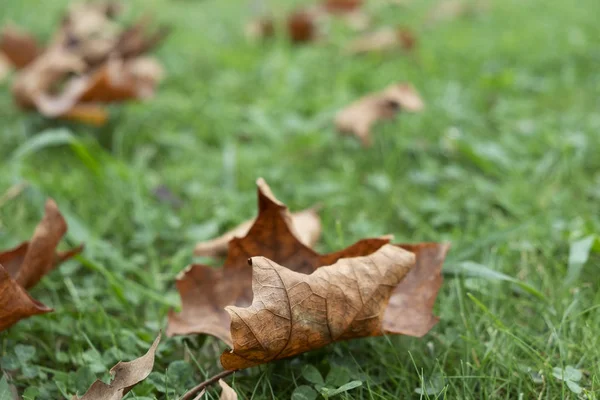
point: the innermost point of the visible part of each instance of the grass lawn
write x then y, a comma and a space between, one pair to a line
504, 163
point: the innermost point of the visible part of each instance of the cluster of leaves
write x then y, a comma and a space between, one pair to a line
91, 60
264, 311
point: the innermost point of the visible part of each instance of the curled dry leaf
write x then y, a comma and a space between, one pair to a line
93, 60
358, 117
384, 39
125, 375
227, 393
341, 6
206, 291
22, 267
293, 313
446, 10
302, 26
306, 225
260, 28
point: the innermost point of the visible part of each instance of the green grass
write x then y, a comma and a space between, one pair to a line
504, 163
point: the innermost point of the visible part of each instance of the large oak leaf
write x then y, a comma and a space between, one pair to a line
293, 313
206, 291
23, 266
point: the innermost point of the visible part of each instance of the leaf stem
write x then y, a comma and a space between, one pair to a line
197, 389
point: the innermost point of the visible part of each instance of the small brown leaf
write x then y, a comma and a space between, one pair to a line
382, 40
227, 393
5, 67
125, 376
358, 117
293, 313
206, 291
302, 26
15, 303
306, 225
260, 28
23, 266
342, 6
19, 47
446, 10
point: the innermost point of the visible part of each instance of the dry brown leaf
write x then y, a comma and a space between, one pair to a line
5, 67
341, 6
19, 47
382, 40
307, 226
23, 266
260, 28
227, 393
206, 291
302, 26
15, 303
358, 117
409, 309
293, 313
125, 376
93, 60
446, 10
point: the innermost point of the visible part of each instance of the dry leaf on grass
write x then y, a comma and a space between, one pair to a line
92, 60
260, 28
227, 393
293, 313
23, 266
19, 47
358, 117
5, 67
206, 291
409, 309
446, 10
125, 375
341, 6
302, 26
306, 225
382, 40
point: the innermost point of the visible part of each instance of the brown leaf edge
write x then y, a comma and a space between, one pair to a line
16, 303
125, 376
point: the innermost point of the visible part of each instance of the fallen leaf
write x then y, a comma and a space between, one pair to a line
293, 313
227, 393
446, 10
206, 291
15, 303
23, 266
91, 60
382, 40
260, 28
409, 309
5, 67
341, 6
358, 117
19, 47
302, 26
125, 375
306, 224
